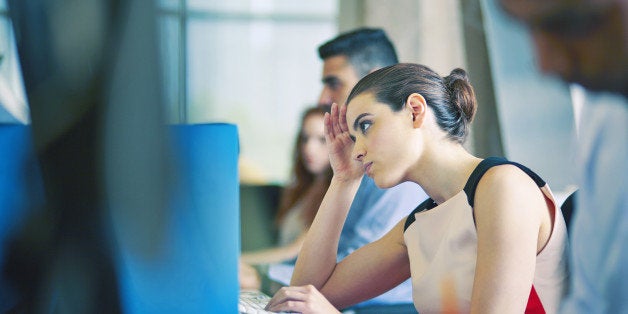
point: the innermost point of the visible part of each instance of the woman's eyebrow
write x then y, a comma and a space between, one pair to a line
357, 120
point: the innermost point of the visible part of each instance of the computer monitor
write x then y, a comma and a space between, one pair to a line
21, 194
196, 269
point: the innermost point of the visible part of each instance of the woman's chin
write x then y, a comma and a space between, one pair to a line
383, 183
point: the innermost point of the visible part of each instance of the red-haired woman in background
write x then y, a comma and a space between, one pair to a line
311, 175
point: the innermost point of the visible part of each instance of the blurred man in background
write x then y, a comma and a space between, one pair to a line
585, 42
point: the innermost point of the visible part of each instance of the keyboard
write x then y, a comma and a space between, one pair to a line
252, 301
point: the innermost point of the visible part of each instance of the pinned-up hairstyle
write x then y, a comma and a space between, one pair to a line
451, 98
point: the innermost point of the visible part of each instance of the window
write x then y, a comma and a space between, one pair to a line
14, 108
248, 62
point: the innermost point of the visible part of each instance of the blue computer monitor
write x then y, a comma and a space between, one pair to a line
196, 270
21, 193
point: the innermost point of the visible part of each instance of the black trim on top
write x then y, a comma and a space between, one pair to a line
472, 184
488, 163
426, 205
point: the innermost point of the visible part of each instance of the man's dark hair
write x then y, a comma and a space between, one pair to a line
365, 48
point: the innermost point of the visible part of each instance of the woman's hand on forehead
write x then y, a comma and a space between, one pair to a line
340, 144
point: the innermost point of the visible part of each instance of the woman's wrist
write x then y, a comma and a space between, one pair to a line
345, 180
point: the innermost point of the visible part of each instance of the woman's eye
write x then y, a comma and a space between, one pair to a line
365, 125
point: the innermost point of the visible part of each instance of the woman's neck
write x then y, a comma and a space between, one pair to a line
443, 172
321, 177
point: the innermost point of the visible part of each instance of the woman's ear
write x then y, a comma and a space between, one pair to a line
418, 108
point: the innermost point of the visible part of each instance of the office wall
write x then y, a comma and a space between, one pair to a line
423, 31
534, 111
522, 114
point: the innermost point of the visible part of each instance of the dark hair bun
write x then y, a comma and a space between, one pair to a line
461, 93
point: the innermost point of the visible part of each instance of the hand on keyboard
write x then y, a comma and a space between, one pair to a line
253, 301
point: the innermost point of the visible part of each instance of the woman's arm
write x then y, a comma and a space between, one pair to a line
276, 254
368, 272
317, 257
513, 224
248, 277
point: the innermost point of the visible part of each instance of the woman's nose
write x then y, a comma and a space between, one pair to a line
308, 146
358, 152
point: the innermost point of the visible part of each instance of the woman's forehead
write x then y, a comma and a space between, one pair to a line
359, 104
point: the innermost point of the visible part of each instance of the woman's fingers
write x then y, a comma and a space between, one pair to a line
330, 120
343, 119
335, 122
302, 299
335, 114
328, 129
284, 295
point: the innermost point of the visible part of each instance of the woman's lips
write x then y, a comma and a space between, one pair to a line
367, 168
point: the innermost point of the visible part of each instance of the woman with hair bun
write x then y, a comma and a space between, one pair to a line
490, 239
